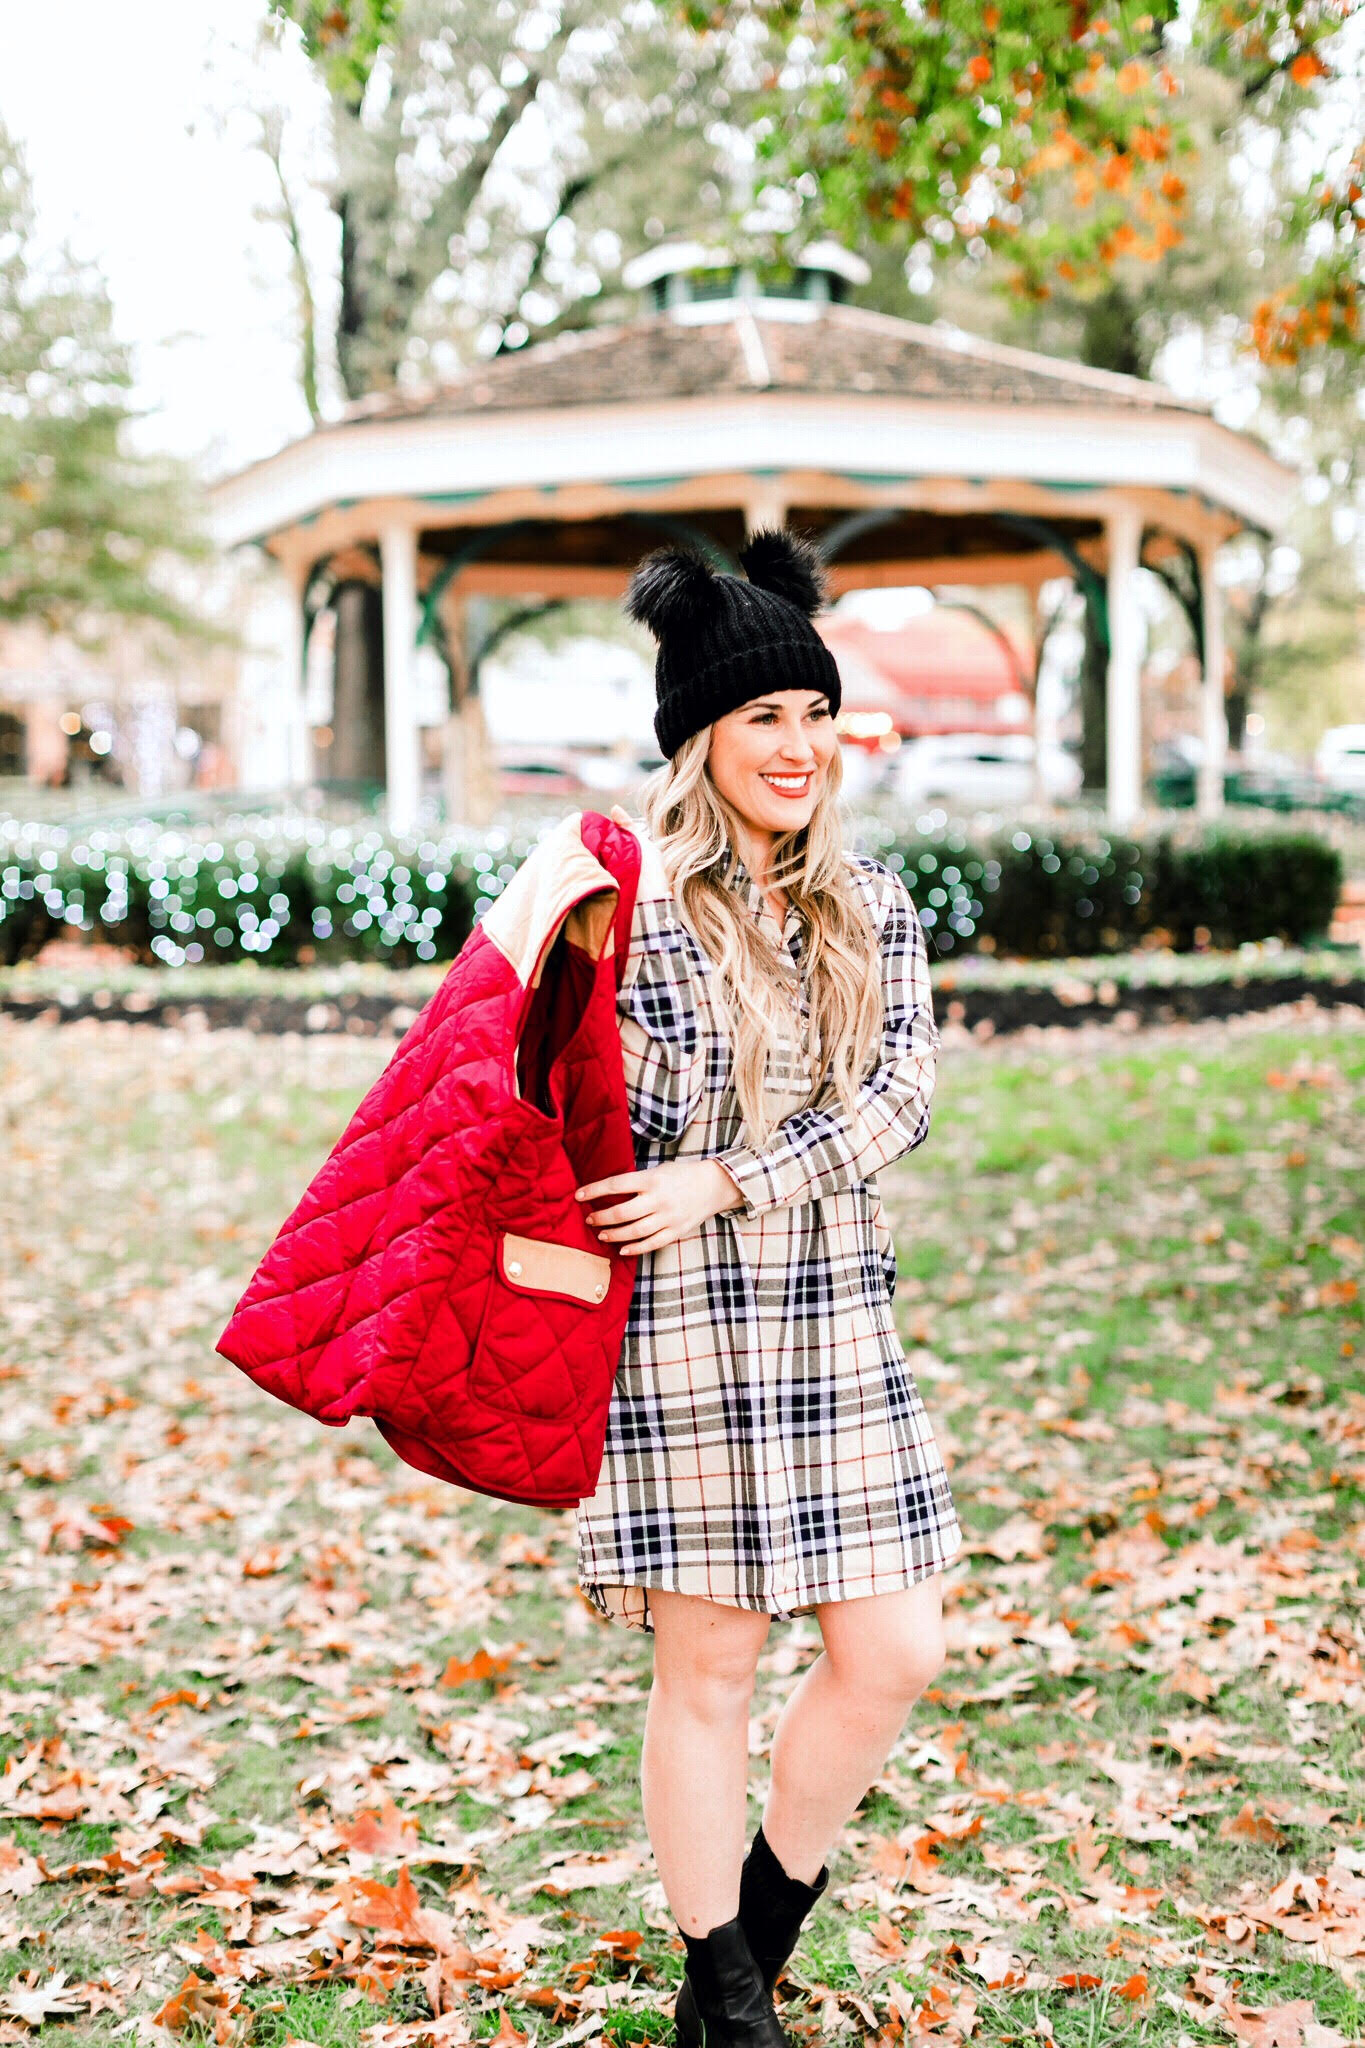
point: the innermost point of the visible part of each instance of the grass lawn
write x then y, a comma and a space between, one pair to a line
301, 1747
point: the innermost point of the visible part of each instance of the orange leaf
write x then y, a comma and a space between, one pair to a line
621, 1941
194, 2004
382, 1831
1306, 67
1136, 1987
394, 1909
480, 1665
184, 1696
507, 2032
1078, 1980
1250, 1826
377, 1979
262, 1564
922, 1871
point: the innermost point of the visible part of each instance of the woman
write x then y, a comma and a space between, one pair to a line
767, 1451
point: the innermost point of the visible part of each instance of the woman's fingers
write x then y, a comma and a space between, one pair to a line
648, 1228
621, 1212
650, 1244
624, 1231
614, 1184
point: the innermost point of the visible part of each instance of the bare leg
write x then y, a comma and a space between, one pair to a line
694, 1765
842, 1722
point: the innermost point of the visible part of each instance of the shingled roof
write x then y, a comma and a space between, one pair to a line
765, 345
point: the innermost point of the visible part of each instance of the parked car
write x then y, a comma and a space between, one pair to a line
611, 771
1271, 782
983, 771
544, 771
1340, 758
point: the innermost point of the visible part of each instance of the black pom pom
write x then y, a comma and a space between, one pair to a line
670, 591
786, 564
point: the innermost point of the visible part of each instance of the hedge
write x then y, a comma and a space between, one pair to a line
293, 892
299, 891
1041, 895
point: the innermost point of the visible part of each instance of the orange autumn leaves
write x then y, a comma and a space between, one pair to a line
951, 124
1323, 309
955, 121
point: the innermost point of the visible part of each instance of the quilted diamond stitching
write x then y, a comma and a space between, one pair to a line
455, 1053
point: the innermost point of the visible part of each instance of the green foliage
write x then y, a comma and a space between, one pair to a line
941, 121
344, 39
957, 123
87, 527
1046, 896
299, 892
457, 235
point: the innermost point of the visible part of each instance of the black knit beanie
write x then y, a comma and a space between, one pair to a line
726, 639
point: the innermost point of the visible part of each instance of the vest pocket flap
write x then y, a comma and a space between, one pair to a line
542, 1267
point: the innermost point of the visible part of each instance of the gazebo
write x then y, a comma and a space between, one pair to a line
913, 454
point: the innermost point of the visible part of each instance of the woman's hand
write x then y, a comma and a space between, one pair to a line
658, 1204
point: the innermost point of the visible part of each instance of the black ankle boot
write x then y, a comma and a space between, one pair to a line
772, 1907
722, 2002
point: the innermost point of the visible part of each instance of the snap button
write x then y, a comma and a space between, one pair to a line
514, 1265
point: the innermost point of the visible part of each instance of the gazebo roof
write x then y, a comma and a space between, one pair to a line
692, 410
735, 345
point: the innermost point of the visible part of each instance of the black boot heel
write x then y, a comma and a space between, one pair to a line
722, 2002
772, 1907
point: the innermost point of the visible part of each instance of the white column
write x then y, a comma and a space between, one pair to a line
297, 752
1123, 724
1212, 702
765, 505
402, 746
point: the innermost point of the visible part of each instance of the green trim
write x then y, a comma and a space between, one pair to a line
1094, 587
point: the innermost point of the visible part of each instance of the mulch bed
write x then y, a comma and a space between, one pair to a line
981, 1008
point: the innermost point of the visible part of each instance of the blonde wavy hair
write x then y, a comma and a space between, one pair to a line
694, 829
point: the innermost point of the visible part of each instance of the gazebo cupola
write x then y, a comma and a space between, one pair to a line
678, 273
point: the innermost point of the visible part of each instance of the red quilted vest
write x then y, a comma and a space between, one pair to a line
438, 1274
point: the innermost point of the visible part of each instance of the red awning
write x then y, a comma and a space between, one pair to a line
943, 670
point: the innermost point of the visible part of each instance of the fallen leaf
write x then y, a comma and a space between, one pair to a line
1250, 1826
383, 1832
480, 1665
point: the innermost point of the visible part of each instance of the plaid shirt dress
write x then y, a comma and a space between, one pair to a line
766, 1442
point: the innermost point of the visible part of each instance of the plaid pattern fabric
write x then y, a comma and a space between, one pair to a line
766, 1443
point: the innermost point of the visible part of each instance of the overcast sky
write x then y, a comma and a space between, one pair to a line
134, 123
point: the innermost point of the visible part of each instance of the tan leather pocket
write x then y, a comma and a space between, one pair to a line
539, 1266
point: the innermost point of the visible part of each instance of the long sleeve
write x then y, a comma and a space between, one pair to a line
657, 1019
817, 1151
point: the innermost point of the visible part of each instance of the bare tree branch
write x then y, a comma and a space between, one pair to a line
272, 145
575, 189
451, 211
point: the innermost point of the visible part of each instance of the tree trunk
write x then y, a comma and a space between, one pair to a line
1238, 703
469, 781
1110, 337
357, 750
1094, 710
